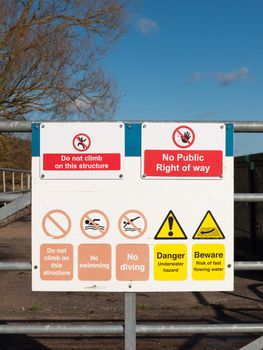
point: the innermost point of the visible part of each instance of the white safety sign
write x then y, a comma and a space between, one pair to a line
132, 207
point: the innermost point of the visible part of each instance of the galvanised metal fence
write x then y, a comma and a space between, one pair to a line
14, 180
129, 328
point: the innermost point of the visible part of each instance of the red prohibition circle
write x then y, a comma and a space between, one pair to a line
87, 216
81, 146
124, 216
183, 137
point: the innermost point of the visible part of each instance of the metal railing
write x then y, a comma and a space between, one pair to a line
26, 126
15, 180
130, 329
26, 266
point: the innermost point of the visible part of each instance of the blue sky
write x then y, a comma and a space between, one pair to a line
192, 60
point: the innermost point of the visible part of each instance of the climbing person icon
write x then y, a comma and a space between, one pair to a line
81, 142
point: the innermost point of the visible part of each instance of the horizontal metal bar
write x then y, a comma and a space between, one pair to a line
15, 170
15, 126
175, 328
141, 329
248, 265
26, 266
239, 126
15, 266
60, 328
248, 126
238, 197
248, 197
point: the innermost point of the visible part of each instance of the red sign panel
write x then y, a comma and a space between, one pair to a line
174, 163
83, 162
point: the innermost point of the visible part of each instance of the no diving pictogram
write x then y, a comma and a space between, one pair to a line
94, 224
132, 224
81, 142
56, 224
183, 136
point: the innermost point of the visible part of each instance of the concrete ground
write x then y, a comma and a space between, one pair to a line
19, 303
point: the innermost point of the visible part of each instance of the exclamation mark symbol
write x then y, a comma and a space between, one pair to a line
170, 222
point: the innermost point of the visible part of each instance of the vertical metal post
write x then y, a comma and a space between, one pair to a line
13, 181
22, 181
4, 185
28, 181
130, 321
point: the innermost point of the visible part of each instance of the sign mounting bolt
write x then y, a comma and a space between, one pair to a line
222, 127
42, 176
121, 125
144, 126
229, 265
120, 176
42, 125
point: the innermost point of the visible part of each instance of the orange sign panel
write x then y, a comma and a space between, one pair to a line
94, 262
56, 262
132, 262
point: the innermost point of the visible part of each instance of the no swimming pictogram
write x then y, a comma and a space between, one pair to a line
94, 224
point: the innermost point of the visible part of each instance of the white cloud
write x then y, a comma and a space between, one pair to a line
224, 78
146, 25
232, 76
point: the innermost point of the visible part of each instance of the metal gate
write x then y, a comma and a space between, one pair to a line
129, 328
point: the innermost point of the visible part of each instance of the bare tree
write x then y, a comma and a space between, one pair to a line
49, 54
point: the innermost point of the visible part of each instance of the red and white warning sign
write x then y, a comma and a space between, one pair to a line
81, 152
183, 151
81, 142
94, 233
172, 163
79, 162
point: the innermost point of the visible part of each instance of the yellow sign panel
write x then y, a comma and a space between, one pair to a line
208, 262
170, 228
209, 228
170, 262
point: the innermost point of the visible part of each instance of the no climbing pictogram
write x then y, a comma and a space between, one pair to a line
81, 142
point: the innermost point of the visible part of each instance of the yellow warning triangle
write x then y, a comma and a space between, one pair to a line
209, 228
170, 228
